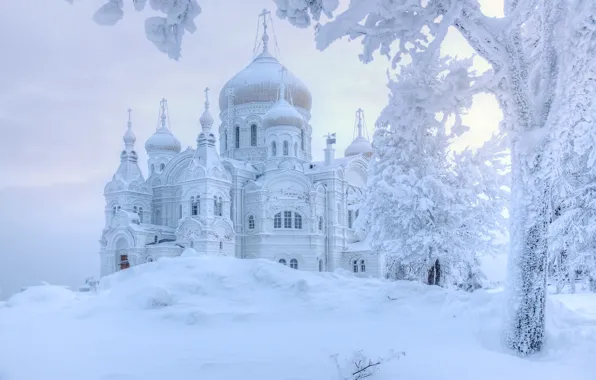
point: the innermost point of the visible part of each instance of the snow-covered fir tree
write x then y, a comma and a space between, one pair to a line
432, 214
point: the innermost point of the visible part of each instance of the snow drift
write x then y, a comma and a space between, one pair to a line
222, 318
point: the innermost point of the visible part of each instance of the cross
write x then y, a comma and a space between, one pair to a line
207, 95
163, 104
264, 15
129, 112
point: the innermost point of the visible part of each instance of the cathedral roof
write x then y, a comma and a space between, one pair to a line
282, 113
260, 81
360, 145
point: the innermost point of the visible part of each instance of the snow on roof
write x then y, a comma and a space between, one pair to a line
359, 246
242, 165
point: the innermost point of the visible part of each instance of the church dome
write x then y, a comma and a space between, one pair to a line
360, 145
163, 140
282, 113
259, 83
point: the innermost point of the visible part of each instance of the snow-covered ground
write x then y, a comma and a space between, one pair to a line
218, 318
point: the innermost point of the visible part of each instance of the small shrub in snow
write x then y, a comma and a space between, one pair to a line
360, 366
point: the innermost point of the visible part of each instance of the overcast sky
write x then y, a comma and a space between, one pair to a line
65, 87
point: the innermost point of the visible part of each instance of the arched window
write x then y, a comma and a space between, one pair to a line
357, 212
350, 218
140, 215
320, 265
287, 219
237, 136
294, 264
114, 210
215, 206
179, 211
221, 245
295, 149
282, 261
286, 148
355, 263
119, 208
253, 135
277, 220
134, 209
362, 266
157, 217
225, 140
162, 167
251, 222
297, 221
220, 207
302, 139
152, 168
320, 223
273, 149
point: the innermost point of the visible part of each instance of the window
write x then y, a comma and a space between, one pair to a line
179, 211
157, 217
350, 218
294, 264
287, 219
194, 206
273, 149
152, 168
140, 215
215, 205
286, 148
320, 223
225, 143
302, 139
114, 211
277, 220
338, 213
220, 207
162, 167
149, 259
237, 136
320, 265
362, 266
282, 261
221, 245
251, 222
295, 149
134, 209
357, 212
253, 135
297, 221
155, 239
355, 266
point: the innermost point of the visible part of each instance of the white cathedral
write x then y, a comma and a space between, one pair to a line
261, 196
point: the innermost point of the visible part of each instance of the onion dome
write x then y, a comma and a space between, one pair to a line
206, 119
282, 113
129, 137
163, 140
259, 83
360, 145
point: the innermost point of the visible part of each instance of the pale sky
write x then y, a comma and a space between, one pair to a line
66, 85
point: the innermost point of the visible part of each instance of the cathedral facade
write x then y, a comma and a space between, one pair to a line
259, 195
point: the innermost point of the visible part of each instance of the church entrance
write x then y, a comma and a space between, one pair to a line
124, 264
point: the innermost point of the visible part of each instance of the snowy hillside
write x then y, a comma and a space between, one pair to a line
217, 318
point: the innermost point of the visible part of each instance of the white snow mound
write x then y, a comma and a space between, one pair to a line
223, 318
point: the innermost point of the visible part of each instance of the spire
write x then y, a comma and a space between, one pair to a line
129, 137
265, 37
282, 85
360, 118
163, 104
206, 119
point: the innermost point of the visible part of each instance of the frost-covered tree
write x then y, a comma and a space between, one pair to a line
432, 212
165, 32
526, 49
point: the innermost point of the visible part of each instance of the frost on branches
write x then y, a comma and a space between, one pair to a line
532, 51
433, 213
165, 32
